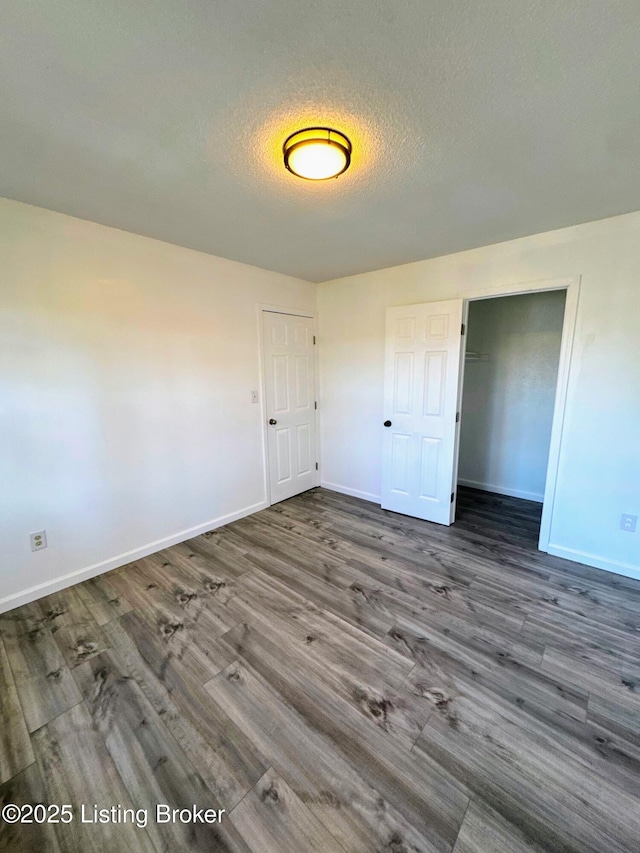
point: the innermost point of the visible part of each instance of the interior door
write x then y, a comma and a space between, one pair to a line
290, 404
422, 363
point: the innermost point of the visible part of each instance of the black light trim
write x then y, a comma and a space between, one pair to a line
339, 141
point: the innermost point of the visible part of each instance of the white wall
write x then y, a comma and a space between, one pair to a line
599, 469
509, 393
126, 368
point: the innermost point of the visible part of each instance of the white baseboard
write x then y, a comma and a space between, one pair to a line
355, 493
17, 599
627, 570
502, 490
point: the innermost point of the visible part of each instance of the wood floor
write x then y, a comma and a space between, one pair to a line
337, 678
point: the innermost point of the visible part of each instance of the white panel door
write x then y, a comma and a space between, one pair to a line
290, 404
422, 362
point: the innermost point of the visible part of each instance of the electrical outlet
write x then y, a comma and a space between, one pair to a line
254, 396
628, 522
38, 540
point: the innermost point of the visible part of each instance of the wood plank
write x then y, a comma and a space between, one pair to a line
484, 830
347, 605
265, 602
150, 762
275, 520
156, 583
616, 717
271, 818
221, 550
526, 596
430, 800
503, 673
607, 683
251, 533
604, 647
44, 683
185, 580
228, 762
76, 768
15, 747
76, 632
187, 641
102, 600
485, 637
394, 710
354, 812
144, 586
456, 546
211, 576
555, 801
26, 788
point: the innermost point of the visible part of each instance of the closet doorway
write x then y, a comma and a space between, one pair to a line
545, 331
511, 365
510, 411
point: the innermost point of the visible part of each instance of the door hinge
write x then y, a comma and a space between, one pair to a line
453, 494
462, 329
457, 416
316, 466
314, 340
315, 405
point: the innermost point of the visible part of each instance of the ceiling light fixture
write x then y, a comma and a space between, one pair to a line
317, 153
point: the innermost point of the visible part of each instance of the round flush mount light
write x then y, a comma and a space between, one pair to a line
317, 153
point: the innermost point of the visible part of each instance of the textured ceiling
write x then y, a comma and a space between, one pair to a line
472, 123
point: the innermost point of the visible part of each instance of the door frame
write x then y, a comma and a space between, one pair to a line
571, 285
261, 308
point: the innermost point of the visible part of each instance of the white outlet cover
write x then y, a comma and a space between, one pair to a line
38, 540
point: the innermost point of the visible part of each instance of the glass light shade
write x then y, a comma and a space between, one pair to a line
317, 153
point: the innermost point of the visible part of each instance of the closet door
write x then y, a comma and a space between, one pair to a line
422, 367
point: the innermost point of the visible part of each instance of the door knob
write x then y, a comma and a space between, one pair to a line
387, 423
273, 421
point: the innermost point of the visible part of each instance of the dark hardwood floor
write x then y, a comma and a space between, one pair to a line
337, 678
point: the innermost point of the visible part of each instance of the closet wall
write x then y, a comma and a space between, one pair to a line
513, 347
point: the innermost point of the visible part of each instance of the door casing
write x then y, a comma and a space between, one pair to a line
572, 287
